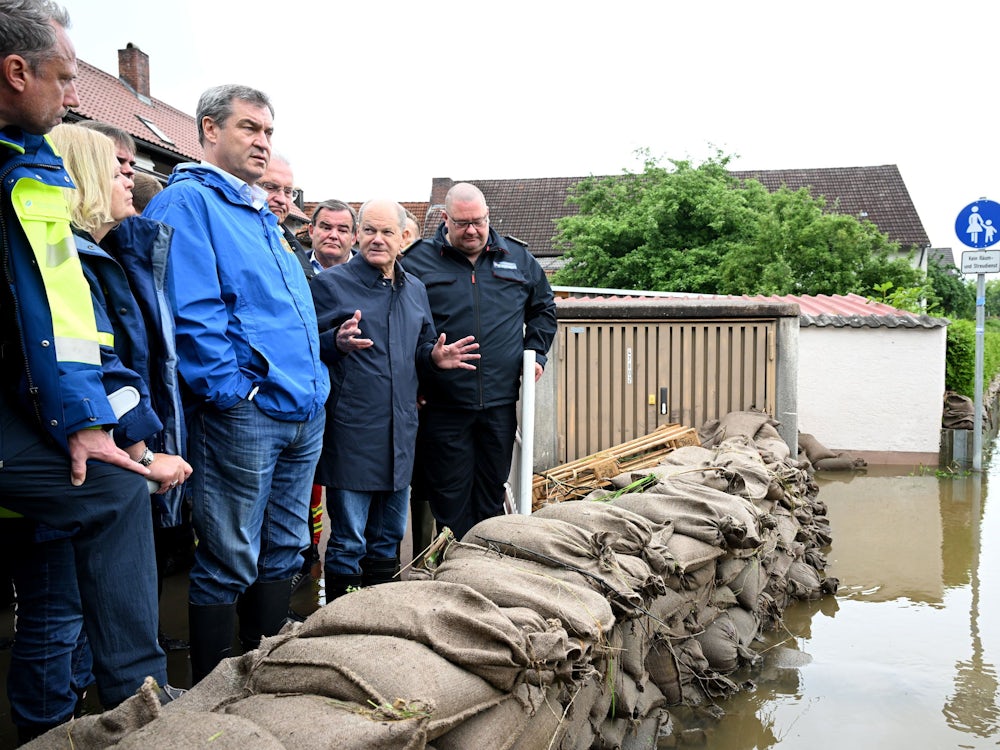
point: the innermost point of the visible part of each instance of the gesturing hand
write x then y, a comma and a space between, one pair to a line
349, 335
456, 355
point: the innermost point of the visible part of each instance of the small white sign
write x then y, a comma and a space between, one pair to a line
981, 261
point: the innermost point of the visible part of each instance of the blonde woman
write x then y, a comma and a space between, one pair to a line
50, 660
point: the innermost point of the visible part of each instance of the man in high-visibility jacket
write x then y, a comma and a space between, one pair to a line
58, 463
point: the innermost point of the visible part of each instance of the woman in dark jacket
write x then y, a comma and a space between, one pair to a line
50, 660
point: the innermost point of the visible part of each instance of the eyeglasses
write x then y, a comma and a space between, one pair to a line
477, 223
271, 188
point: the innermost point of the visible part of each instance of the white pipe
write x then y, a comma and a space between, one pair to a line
526, 472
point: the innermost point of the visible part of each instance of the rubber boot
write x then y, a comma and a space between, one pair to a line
376, 570
262, 610
337, 584
211, 629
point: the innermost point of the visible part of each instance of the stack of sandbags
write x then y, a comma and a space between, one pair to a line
576, 627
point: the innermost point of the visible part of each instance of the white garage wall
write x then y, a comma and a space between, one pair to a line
872, 389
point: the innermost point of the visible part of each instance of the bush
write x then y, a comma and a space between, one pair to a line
960, 358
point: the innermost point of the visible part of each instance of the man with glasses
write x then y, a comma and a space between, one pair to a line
248, 352
490, 287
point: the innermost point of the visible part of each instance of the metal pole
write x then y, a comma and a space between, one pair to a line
977, 422
526, 473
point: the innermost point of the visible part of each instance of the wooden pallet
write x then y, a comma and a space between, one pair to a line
576, 479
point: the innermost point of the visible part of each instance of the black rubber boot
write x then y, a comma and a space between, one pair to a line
376, 570
262, 610
337, 584
211, 629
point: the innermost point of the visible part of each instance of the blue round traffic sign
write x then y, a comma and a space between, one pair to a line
978, 223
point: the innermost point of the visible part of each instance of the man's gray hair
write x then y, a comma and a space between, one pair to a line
118, 135
217, 103
26, 29
400, 212
335, 205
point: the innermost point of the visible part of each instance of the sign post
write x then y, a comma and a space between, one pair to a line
976, 226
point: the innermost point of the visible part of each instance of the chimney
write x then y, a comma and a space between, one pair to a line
133, 69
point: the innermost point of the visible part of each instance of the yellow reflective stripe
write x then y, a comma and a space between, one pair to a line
104, 338
44, 217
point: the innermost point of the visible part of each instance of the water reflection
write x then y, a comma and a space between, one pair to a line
905, 655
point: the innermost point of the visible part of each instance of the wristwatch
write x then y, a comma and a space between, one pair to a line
146, 458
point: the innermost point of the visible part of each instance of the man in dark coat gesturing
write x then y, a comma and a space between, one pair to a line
371, 428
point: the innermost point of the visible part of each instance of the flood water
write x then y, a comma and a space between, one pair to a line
904, 656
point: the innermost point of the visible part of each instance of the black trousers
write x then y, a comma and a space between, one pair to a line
462, 461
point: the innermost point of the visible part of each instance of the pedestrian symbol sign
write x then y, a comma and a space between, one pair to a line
977, 224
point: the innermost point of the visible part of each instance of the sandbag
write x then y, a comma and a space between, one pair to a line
553, 593
373, 668
453, 620
91, 732
632, 534
314, 722
528, 710
726, 642
190, 729
560, 544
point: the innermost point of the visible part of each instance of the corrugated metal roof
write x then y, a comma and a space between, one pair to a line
820, 310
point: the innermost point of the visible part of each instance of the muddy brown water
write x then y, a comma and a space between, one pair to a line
906, 654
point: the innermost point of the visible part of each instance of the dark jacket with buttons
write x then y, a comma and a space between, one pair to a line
371, 414
504, 300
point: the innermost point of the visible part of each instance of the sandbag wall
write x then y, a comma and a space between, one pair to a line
575, 627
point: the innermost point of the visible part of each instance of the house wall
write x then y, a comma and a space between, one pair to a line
873, 391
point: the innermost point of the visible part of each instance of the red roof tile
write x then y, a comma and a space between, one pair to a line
104, 97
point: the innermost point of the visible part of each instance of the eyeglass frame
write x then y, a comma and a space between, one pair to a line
269, 187
463, 224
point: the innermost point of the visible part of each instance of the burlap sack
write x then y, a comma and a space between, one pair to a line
314, 722
662, 667
373, 668
528, 711
105, 729
726, 642
814, 450
741, 463
222, 686
716, 518
453, 620
745, 577
631, 534
201, 731
553, 593
559, 544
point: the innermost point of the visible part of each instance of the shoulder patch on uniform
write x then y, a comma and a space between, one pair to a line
512, 238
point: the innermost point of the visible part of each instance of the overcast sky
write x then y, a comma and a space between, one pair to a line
377, 98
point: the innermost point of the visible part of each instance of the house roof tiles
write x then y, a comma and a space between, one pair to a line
106, 98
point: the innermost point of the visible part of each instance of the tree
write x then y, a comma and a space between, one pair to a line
992, 301
697, 229
954, 296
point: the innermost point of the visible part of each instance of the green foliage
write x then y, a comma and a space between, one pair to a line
697, 229
992, 301
911, 299
960, 357
953, 295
